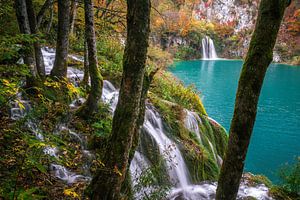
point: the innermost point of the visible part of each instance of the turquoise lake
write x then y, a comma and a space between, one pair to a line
276, 136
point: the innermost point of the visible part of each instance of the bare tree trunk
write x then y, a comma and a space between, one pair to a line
39, 59
91, 105
73, 15
41, 14
29, 59
86, 75
258, 58
49, 25
107, 183
62, 44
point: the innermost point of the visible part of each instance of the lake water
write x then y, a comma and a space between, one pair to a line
276, 137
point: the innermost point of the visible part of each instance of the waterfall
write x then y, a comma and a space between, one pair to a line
191, 123
182, 187
177, 169
208, 48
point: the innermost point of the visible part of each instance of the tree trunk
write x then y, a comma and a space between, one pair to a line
85, 80
139, 123
258, 58
146, 85
49, 25
62, 44
29, 59
91, 105
42, 12
73, 15
107, 183
39, 59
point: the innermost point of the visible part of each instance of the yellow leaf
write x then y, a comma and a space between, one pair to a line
20, 104
5, 82
117, 171
70, 192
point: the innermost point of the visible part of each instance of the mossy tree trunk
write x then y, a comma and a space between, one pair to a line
29, 58
107, 183
85, 80
139, 123
39, 59
49, 25
73, 15
148, 78
259, 56
62, 43
42, 12
94, 97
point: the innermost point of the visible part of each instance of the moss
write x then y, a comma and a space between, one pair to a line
167, 87
201, 164
280, 194
260, 179
199, 157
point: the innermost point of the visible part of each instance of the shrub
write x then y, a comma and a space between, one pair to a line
290, 176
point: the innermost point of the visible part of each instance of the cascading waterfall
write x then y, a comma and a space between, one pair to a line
208, 48
191, 123
177, 169
182, 187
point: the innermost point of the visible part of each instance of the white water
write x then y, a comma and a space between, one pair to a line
18, 112
191, 123
207, 191
176, 167
208, 48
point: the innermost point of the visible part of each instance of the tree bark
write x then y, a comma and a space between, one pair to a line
49, 25
139, 123
39, 59
62, 44
107, 183
146, 86
41, 14
91, 105
29, 59
259, 56
86, 75
73, 15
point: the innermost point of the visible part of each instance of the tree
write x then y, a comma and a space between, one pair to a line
107, 183
94, 97
259, 56
39, 59
86, 75
73, 15
62, 44
29, 59
49, 25
42, 12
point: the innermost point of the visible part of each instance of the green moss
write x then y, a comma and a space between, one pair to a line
261, 179
167, 87
281, 194
199, 157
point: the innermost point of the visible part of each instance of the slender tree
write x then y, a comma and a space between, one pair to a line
39, 59
259, 56
62, 44
94, 97
107, 183
73, 15
29, 58
86, 76
42, 12
49, 25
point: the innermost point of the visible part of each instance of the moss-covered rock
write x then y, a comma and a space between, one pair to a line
202, 156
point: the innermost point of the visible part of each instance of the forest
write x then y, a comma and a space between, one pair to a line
149, 99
